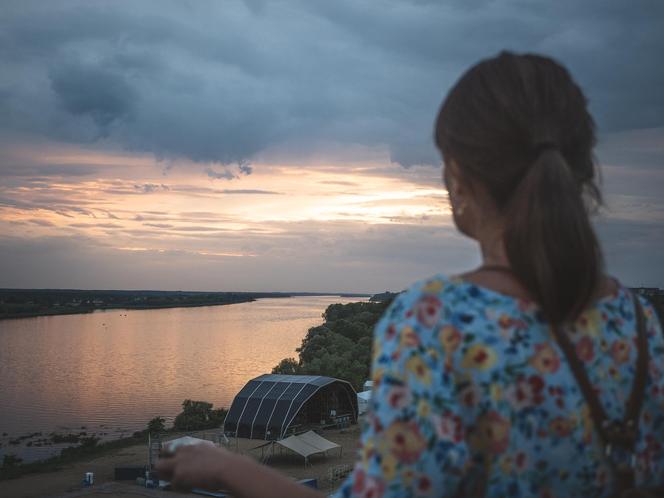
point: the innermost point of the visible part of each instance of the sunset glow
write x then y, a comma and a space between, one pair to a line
134, 196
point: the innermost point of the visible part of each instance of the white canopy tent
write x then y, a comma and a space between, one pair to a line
308, 444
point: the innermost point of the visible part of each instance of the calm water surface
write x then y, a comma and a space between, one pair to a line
112, 371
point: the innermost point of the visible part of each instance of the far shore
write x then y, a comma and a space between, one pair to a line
31, 303
79, 311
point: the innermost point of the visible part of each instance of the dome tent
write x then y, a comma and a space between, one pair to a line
269, 405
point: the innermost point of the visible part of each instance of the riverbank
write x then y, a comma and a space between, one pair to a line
88, 448
29, 303
80, 311
65, 481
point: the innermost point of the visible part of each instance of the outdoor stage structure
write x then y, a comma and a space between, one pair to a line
271, 407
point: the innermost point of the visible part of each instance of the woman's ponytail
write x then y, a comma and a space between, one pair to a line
550, 243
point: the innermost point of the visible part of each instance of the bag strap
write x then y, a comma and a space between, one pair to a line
635, 402
619, 435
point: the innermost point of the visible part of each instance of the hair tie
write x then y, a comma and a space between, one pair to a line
542, 146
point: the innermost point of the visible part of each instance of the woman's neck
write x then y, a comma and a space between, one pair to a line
494, 255
492, 248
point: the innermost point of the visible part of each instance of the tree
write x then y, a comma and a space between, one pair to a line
156, 425
287, 366
198, 415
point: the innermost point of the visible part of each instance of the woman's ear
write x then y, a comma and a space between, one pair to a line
460, 198
454, 183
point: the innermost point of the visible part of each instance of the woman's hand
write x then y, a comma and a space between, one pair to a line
208, 467
194, 466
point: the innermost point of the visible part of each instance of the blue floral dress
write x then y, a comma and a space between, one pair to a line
473, 397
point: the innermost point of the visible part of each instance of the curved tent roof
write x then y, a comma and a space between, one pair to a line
267, 405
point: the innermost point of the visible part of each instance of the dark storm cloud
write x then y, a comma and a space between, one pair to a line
94, 91
226, 81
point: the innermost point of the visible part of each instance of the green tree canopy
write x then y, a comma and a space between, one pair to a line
341, 346
156, 425
198, 415
287, 366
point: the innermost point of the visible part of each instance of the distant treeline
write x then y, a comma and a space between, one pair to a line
383, 296
20, 303
340, 347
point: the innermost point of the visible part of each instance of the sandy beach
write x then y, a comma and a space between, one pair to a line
66, 483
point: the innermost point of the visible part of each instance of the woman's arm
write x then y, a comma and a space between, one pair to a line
212, 468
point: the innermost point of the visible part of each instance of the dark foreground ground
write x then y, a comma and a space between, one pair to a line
66, 483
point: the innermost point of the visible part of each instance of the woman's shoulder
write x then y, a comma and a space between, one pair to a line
617, 307
653, 322
440, 300
439, 285
434, 290
442, 297
454, 295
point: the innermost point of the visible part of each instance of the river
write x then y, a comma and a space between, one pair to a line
108, 373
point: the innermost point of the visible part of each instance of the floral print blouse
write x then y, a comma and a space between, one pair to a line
473, 397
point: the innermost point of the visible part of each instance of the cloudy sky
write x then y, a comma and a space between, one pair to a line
286, 144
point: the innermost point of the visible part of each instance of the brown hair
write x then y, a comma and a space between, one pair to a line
519, 125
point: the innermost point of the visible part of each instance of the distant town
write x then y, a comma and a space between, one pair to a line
22, 303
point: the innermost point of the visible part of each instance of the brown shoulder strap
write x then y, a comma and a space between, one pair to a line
596, 409
635, 402
621, 434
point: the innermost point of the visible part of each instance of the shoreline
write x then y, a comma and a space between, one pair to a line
70, 456
167, 300
113, 308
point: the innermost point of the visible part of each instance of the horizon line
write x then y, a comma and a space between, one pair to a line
324, 293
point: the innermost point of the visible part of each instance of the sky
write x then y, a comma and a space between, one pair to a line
286, 145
